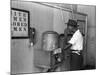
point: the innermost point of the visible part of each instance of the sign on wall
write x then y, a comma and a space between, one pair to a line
19, 23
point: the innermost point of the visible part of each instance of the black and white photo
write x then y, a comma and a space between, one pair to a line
52, 37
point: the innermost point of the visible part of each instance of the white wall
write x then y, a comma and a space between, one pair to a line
60, 18
41, 18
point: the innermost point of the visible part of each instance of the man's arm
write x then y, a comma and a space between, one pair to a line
67, 46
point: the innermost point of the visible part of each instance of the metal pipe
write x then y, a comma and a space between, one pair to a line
54, 6
59, 7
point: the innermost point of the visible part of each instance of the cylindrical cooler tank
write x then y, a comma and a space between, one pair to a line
50, 40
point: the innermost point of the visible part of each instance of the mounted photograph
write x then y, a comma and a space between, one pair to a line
52, 37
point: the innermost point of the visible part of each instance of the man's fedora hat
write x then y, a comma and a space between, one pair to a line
72, 23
